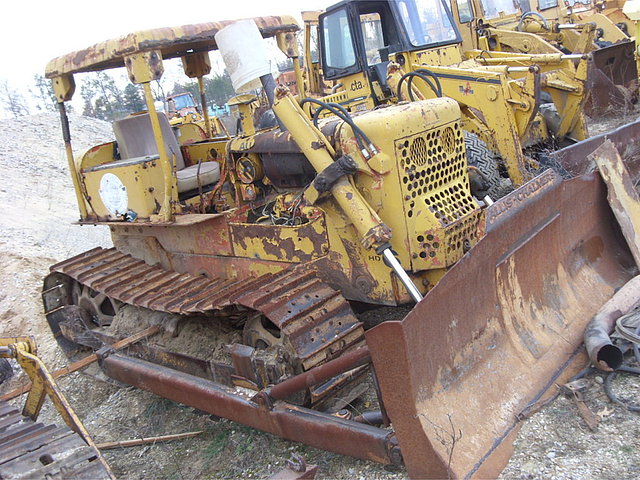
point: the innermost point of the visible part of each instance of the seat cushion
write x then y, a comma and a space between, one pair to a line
188, 177
135, 138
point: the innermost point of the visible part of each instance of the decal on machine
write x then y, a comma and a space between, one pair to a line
466, 90
113, 194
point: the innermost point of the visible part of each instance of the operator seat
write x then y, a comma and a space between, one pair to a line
135, 139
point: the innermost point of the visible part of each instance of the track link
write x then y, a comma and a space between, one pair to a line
35, 450
316, 320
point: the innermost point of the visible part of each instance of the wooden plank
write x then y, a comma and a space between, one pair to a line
9, 420
143, 441
58, 450
66, 467
622, 195
88, 469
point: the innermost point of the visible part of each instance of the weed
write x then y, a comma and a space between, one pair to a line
627, 449
245, 439
217, 444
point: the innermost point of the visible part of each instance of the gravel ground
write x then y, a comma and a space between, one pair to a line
38, 206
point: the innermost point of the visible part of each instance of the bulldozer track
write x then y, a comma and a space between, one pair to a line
35, 450
316, 319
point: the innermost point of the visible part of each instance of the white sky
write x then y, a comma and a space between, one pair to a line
35, 31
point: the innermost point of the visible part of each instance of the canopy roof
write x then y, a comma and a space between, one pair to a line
171, 41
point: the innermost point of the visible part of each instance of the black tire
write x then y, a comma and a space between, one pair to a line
491, 182
6, 371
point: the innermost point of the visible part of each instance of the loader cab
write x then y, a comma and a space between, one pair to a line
358, 39
182, 108
473, 16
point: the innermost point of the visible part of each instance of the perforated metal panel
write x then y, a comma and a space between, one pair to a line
442, 217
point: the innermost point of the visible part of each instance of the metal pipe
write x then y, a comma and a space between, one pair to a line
601, 350
567, 26
517, 69
375, 417
299, 424
573, 56
539, 58
205, 107
393, 262
320, 373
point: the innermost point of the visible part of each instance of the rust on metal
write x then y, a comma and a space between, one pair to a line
316, 319
622, 195
601, 350
347, 361
617, 62
172, 42
535, 282
612, 70
35, 450
299, 424
249, 238
626, 140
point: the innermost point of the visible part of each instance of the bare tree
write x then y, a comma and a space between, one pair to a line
12, 100
102, 97
43, 94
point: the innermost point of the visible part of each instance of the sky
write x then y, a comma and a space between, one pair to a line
35, 31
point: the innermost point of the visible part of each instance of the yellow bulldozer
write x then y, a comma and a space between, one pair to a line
288, 236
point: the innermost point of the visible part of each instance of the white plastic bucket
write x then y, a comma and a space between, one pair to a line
244, 54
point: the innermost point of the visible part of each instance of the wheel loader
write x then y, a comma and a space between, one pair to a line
182, 108
612, 79
279, 242
404, 50
602, 13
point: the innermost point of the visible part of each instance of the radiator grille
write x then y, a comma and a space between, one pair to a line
439, 207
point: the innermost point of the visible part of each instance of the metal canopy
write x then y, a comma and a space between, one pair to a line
171, 41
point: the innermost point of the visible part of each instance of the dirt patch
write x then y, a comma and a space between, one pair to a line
199, 336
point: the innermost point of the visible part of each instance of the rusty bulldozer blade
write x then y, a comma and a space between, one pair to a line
500, 327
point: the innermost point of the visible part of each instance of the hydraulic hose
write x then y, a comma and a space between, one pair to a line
612, 396
424, 75
340, 112
524, 16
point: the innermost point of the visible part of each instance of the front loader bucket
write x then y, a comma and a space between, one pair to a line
612, 74
626, 139
500, 327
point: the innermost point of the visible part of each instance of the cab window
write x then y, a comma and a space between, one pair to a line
465, 13
544, 4
427, 22
493, 8
372, 34
338, 41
